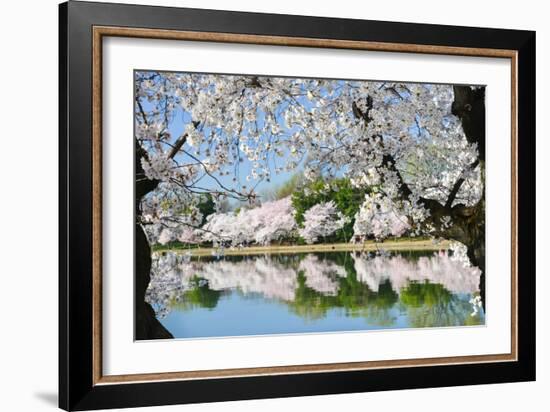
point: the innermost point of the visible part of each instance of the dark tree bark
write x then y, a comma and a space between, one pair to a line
147, 325
469, 107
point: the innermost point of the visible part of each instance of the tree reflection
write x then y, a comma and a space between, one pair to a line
355, 298
199, 295
428, 290
431, 305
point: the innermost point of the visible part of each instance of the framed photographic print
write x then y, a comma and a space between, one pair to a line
256, 205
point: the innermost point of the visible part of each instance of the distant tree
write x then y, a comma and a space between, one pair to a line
322, 221
206, 206
268, 222
379, 217
285, 189
341, 192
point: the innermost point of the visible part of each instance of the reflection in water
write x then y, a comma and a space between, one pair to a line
311, 292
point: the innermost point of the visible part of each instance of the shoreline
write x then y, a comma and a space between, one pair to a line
369, 246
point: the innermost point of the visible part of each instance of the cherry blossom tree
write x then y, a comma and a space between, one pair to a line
268, 222
379, 217
277, 219
421, 145
321, 220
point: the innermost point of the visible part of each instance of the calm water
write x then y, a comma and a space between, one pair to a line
314, 292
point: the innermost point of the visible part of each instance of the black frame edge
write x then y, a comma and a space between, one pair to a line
63, 390
526, 223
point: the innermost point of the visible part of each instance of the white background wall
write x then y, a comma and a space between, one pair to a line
28, 204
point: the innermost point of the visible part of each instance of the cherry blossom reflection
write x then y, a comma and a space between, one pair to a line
434, 289
319, 274
439, 268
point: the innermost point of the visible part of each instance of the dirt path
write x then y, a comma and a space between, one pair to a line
403, 245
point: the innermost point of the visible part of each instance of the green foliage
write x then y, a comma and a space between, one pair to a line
300, 241
285, 189
289, 187
431, 305
174, 245
347, 199
424, 294
206, 206
200, 295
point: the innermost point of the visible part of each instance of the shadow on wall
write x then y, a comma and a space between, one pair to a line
49, 398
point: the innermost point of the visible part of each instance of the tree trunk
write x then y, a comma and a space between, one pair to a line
468, 228
469, 106
473, 227
147, 325
476, 254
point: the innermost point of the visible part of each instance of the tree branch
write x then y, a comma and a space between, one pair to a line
180, 142
389, 162
142, 112
458, 184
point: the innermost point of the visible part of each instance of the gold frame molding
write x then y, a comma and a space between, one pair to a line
99, 32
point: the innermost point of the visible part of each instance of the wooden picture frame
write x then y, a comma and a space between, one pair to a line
82, 384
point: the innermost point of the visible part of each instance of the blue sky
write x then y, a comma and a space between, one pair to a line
176, 127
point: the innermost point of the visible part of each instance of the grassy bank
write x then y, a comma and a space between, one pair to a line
403, 244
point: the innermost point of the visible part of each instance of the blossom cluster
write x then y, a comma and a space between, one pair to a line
269, 222
320, 221
380, 217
